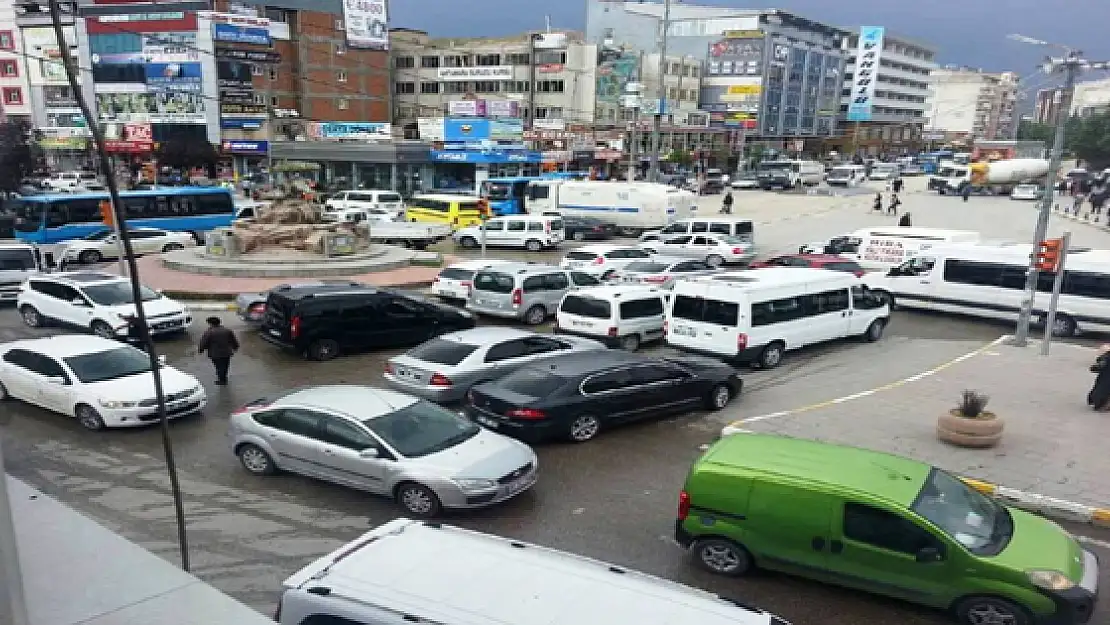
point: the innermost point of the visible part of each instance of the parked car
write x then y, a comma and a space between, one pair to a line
426, 457
453, 282
96, 302
588, 229
714, 249
528, 292
624, 316
103, 244
101, 382
817, 261
251, 307
745, 180
662, 271
444, 368
531, 232
69, 180
1029, 192
602, 260
574, 397
323, 321
912, 169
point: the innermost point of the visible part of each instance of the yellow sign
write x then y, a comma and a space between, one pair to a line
63, 143
745, 89
743, 34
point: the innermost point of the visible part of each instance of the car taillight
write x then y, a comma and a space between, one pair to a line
859, 274
518, 297
466, 284
597, 228
612, 332
295, 327
526, 413
655, 279
741, 341
683, 505
600, 260
738, 250
547, 227
257, 310
389, 367
438, 379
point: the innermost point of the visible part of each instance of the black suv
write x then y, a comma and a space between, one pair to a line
322, 321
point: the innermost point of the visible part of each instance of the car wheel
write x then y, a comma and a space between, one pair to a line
103, 330
718, 397
723, 557
535, 315
323, 349
990, 611
31, 317
583, 428
533, 245
172, 247
714, 260
874, 331
255, 460
88, 417
1063, 326
771, 356
468, 242
90, 257
630, 343
579, 236
418, 500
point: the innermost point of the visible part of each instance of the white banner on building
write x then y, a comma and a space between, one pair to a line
866, 73
462, 74
367, 24
430, 128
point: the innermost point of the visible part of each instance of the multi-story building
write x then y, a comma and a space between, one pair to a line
679, 83
1048, 106
1091, 96
15, 102
967, 104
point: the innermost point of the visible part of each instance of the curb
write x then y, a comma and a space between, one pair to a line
1049, 507
1070, 217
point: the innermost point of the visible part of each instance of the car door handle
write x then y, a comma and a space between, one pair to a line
836, 546
818, 543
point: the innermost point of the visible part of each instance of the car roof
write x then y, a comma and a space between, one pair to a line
583, 363
476, 265
774, 276
357, 402
312, 289
602, 248
81, 277
446, 197
664, 260
893, 478
522, 268
485, 334
65, 345
617, 292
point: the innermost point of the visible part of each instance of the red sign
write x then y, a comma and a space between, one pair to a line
549, 68
129, 138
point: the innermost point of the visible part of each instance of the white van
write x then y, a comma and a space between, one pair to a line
619, 316
632, 206
530, 232
729, 226
886, 247
846, 176
789, 174
371, 201
756, 316
885, 171
407, 572
988, 280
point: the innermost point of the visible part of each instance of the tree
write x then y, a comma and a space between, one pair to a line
19, 155
187, 152
680, 157
1089, 139
1032, 131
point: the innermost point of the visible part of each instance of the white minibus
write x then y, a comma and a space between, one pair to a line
756, 316
887, 247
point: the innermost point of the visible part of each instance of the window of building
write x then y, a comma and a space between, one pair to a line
672, 93
273, 101
487, 86
516, 58
9, 68
13, 95
456, 87
551, 57
273, 73
340, 50
404, 62
7, 42
275, 14
456, 61
429, 87
341, 76
256, 70
342, 104
404, 88
487, 60
549, 86
515, 86
430, 62
339, 25
259, 99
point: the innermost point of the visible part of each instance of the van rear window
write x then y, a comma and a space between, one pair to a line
494, 282
442, 351
586, 307
706, 310
581, 255
456, 274
686, 307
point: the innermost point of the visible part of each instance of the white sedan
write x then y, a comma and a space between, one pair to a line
102, 244
100, 382
714, 249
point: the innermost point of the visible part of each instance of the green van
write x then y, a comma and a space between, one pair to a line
884, 524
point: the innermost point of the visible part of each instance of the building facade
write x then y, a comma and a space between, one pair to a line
1048, 106
15, 96
967, 104
1090, 97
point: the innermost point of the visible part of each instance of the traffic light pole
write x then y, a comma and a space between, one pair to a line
1057, 284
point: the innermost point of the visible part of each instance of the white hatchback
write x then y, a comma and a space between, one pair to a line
603, 260
714, 249
101, 382
103, 244
453, 282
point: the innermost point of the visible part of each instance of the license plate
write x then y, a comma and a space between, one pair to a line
486, 421
275, 333
684, 331
165, 325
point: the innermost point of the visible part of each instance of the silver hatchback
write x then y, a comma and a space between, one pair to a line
527, 292
424, 456
662, 271
444, 368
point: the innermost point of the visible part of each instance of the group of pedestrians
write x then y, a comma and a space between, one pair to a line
891, 207
1096, 191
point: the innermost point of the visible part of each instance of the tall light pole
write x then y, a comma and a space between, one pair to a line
661, 94
1070, 66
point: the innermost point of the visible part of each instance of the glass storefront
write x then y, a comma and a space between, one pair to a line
374, 175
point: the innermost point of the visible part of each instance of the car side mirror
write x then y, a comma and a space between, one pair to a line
369, 453
929, 555
56, 379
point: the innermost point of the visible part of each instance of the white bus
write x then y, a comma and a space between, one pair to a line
756, 316
988, 280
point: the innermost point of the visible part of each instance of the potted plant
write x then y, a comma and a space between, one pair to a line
969, 424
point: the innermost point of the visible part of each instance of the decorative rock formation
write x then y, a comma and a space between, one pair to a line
291, 225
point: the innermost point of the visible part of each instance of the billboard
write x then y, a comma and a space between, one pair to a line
741, 94
251, 56
367, 24
350, 130
736, 56
166, 107
130, 137
866, 73
466, 108
231, 33
463, 74
173, 76
464, 130
47, 58
613, 74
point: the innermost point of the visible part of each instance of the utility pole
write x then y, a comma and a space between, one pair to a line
531, 80
13, 603
661, 95
1071, 66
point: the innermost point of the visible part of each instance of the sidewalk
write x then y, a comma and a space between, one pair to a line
1054, 445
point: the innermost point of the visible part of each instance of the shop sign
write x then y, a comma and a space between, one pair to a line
485, 156
466, 108
557, 156
236, 123
251, 56
463, 74
549, 124
503, 108
243, 109
235, 19
608, 155
233, 97
547, 135
245, 147
549, 68
864, 76
350, 130
128, 137
63, 143
430, 128
240, 34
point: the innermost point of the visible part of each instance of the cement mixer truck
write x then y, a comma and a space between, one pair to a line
994, 178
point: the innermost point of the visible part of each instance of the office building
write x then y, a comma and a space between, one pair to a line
967, 104
1091, 97
1048, 105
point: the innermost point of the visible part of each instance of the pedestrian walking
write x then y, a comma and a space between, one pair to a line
905, 221
897, 185
892, 208
965, 190
878, 205
726, 204
221, 344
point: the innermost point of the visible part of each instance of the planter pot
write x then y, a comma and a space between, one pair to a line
978, 433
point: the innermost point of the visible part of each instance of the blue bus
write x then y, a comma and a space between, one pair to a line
930, 160
506, 195
61, 217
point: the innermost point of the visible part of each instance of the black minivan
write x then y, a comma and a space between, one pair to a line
321, 321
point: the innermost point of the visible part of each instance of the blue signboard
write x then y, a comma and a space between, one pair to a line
483, 157
173, 76
246, 147
235, 123
355, 130
240, 34
866, 73
466, 129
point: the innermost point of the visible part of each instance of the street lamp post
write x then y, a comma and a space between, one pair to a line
661, 94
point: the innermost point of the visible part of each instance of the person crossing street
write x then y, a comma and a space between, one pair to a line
221, 344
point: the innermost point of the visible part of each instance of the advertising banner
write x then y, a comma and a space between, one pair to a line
506, 129
241, 123
866, 73
243, 109
747, 121
735, 57
466, 108
350, 130
42, 43
245, 20
430, 128
503, 108
234, 75
367, 24
486, 156
462, 130
250, 56
166, 107
173, 76
236, 97
132, 137
240, 34
245, 147
174, 21
167, 47
613, 74
463, 74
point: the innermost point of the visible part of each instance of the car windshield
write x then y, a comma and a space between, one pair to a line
581, 255
118, 362
972, 519
421, 429
454, 273
442, 351
17, 260
495, 282
840, 171
775, 165
116, 293
99, 235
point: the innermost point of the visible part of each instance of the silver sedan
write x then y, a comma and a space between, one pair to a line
446, 367
715, 249
424, 456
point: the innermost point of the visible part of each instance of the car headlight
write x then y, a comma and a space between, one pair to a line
118, 404
1049, 580
472, 484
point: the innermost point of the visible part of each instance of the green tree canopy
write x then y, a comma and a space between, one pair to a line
186, 153
1088, 138
19, 155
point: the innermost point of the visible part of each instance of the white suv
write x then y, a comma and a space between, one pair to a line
98, 302
70, 180
534, 233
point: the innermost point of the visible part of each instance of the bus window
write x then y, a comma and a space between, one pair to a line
213, 204
136, 207
79, 211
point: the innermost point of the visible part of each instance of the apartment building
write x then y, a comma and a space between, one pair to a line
1048, 106
1091, 96
15, 96
967, 104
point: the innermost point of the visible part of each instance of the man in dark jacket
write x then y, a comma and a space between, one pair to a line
221, 344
